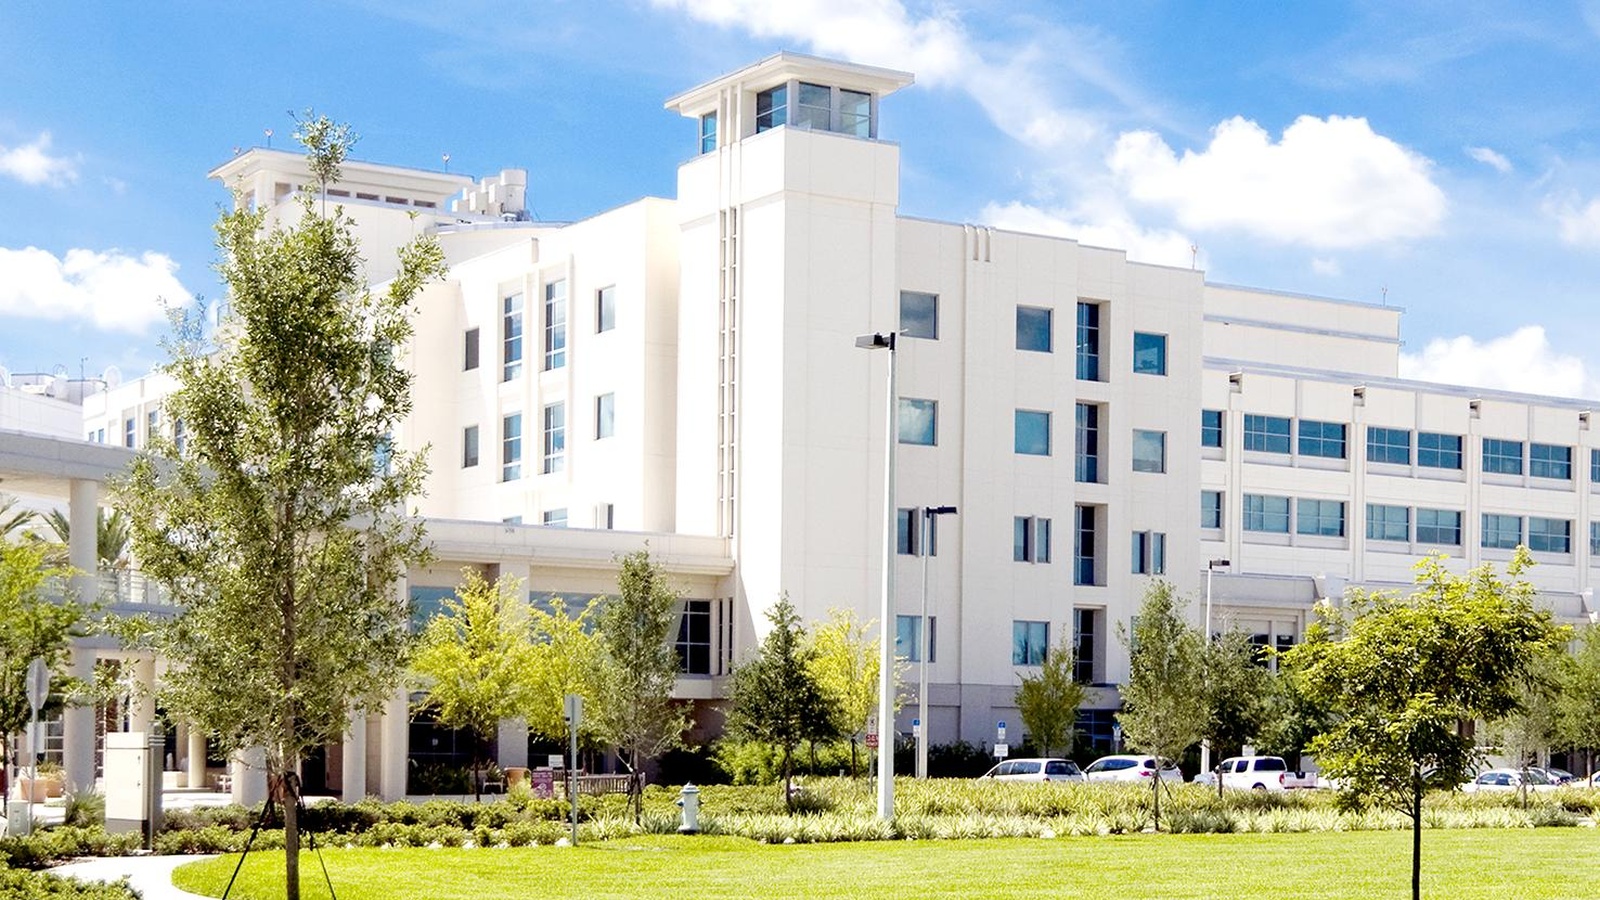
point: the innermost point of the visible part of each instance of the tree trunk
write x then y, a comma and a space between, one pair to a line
788, 782
1416, 837
289, 796
1155, 785
854, 769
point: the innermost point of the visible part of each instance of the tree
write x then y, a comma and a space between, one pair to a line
1535, 725
1238, 689
1580, 685
1164, 706
637, 628
1401, 675
1048, 702
280, 529
12, 517
473, 660
111, 534
776, 698
567, 657
32, 626
845, 663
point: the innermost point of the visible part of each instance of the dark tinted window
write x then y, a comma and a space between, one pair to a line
1270, 764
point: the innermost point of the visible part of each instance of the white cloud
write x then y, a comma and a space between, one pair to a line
1105, 226
1325, 266
115, 291
1491, 159
1520, 361
1328, 183
33, 164
1580, 224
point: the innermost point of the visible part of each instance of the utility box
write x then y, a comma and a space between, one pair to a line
133, 782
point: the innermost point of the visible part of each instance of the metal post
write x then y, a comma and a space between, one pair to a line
1211, 568
886, 607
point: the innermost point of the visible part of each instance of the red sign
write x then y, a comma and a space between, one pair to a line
872, 741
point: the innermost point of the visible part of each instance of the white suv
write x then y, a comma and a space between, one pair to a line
1035, 770
1259, 773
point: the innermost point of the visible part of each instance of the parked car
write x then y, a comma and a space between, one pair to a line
1036, 770
1131, 768
1560, 776
1258, 773
1502, 780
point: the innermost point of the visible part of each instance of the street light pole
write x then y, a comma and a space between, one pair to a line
1211, 568
929, 513
878, 341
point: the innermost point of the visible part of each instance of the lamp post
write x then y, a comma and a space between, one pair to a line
882, 341
1211, 567
929, 513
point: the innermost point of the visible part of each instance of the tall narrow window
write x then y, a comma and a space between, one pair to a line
469, 446
1594, 538
605, 309
1084, 628
1210, 509
1088, 341
469, 350
180, 435
708, 132
555, 325
1083, 546
1086, 443
906, 535
511, 337
511, 447
1033, 329
152, 426
1031, 432
919, 315
130, 430
1211, 428
693, 643
605, 416
555, 437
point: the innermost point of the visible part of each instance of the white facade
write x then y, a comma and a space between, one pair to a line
685, 370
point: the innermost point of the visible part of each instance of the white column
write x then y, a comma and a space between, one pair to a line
143, 714
354, 760
396, 740
196, 744
249, 771
78, 727
511, 744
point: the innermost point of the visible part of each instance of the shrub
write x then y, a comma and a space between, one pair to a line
85, 808
51, 845
16, 884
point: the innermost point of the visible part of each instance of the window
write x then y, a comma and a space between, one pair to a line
605, 309
1549, 461
918, 421
1264, 513
1503, 457
152, 425
469, 446
1324, 439
772, 108
1030, 539
555, 438
555, 518
469, 350
1594, 463
1388, 523
1438, 451
1389, 445
511, 447
605, 416
555, 325
1028, 642
1149, 451
1266, 434
1210, 509
855, 113
1033, 329
1324, 518
180, 435
1031, 432
1149, 553
1149, 353
1083, 546
605, 516
1501, 532
1211, 428
693, 643
1083, 639
908, 638
511, 337
1088, 342
1086, 443
812, 108
919, 315
906, 531
1549, 535
1594, 538
708, 132
1439, 527
130, 430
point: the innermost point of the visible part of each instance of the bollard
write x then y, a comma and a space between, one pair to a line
689, 802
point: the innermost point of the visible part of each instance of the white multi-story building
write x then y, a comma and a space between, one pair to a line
684, 372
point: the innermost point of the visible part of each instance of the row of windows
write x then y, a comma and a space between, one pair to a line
555, 329
919, 318
918, 423
1031, 535
801, 104
555, 442
130, 431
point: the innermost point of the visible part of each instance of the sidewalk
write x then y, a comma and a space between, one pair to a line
150, 875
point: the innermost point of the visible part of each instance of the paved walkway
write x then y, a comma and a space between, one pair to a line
150, 875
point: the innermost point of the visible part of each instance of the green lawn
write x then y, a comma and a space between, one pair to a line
1480, 863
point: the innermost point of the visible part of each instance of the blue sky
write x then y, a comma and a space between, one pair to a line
1443, 157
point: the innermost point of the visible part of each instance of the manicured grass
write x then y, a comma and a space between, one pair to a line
1479, 863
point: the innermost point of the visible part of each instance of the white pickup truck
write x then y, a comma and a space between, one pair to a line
1262, 773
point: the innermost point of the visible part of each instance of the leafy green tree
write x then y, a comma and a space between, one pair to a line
32, 626
1048, 702
1580, 685
845, 664
567, 657
1529, 731
280, 529
1165, 709
636, 626
473, 660
1238, 690
1292, 718
776, 698
1403, 673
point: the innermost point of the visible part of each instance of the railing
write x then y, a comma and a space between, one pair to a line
125, 587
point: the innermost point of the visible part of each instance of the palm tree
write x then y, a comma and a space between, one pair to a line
111, 535
12, 521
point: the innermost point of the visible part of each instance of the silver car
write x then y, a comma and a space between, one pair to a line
1036, 770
